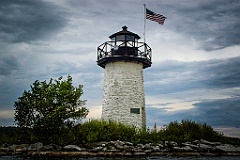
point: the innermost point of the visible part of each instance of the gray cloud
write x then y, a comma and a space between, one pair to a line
8, 64
26, 21
214, 24
224, 73
174, 76
220, 112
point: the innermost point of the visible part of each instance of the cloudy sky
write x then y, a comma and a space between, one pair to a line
196, 54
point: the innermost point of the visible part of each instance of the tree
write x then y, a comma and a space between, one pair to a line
49, 107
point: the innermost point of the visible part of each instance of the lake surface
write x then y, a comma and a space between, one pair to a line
123, 158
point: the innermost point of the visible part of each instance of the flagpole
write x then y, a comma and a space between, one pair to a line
144, 29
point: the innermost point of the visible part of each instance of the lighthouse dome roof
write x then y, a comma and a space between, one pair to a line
125, 32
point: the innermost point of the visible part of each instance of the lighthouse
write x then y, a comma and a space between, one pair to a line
123, 59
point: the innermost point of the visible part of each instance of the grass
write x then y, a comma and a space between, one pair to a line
100, 130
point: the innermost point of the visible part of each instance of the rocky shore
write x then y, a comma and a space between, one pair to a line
120, 148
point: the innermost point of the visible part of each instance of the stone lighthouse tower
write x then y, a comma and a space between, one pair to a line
124, 59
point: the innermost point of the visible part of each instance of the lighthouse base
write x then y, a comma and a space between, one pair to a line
123, 93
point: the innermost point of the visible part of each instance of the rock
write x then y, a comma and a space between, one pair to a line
4, 149
128, 144
185, 149
205, 147
140, 145
228, 148
118, 146
112, 149
207, 142
21, 148
161, 146
156, 148
51, 147
128, 148
171, 143
35, 147
12, 148
191, 145
72, 148
137, 149
148, 151
139, 153
97, 149
196, 142
119, 143
147, 146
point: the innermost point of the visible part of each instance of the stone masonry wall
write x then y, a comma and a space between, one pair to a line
123, 93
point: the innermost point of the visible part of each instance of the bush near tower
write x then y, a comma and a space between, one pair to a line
49, 108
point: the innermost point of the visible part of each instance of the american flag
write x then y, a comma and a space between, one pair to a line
155, 17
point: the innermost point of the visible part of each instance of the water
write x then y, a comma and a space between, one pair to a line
123, 158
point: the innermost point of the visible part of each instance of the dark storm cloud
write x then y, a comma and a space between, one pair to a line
8, 64
215, 24
174, 76
27, 20
220, 112
224, 73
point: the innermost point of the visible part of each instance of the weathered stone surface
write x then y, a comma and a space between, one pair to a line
228, 148
126, 149
128, 144
147, 146
156, 148
207, 142
35, 146
205, 147
193, 146
119, 146
72, 148
185, 149
123, 89
51, 147
22, 148
97, 149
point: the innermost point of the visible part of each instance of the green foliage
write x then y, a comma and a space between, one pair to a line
95, 131
189, 130
50, 107
100, 130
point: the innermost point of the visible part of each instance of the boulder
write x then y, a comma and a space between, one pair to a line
188, 144
156, 148
51, 147
128, 144
72, 148
140, 145
207, 142
205, 147
21, 148
119, 142
97, 149
112, 149
35, 147
128, 148
227, 148
147, 146
183, 149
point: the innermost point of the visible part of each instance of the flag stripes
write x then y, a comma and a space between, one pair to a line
150, 15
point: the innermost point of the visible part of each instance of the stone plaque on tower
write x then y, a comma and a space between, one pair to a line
124, 59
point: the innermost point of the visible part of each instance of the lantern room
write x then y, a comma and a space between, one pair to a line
124, 46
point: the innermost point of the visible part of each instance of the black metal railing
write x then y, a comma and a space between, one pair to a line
125, 48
